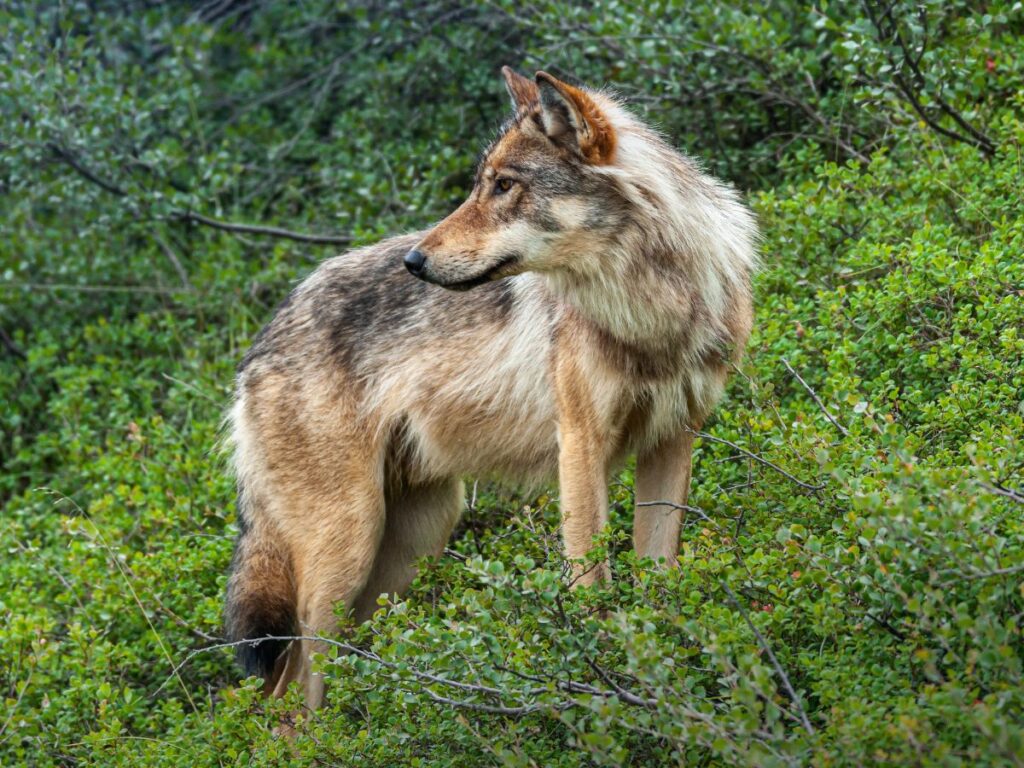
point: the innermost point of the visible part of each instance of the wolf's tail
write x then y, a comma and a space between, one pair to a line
261, 600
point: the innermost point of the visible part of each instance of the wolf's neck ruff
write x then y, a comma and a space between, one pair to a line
678, 266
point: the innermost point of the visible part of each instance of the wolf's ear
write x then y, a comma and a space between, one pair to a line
523, 91
572, 118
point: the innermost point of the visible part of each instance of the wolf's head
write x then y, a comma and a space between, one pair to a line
540, 201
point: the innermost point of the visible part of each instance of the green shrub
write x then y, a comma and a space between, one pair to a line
852, 589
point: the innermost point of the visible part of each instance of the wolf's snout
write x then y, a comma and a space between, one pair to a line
414, 261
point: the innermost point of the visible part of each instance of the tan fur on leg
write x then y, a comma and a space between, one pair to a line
662, 474
582, 462
420, 518
333, 529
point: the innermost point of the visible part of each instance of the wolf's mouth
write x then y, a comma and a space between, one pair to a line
484, 277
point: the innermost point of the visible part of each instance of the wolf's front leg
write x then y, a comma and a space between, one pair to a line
582, 458
583, 489
662, 474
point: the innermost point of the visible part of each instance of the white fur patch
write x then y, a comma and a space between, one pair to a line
519, 237
570, 212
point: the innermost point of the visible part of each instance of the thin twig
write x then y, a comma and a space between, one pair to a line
190, 216
82, 170
814, 396
92, 288
887, 626
758, 459
625, 695
172, 257
113, 556
10, 346
683, 507
971, 575
566, 686
14, 706
260, 229
974, 137
771, 656
491, 709
1009, 493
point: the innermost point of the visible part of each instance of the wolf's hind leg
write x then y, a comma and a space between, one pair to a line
420, 518
340, 536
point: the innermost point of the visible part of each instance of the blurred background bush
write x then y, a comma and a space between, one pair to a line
851, 588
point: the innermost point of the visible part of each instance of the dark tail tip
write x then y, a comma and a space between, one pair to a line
260, 599
254, 630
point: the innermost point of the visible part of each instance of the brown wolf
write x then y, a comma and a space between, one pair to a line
610, 292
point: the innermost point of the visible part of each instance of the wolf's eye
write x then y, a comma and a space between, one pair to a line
503, 185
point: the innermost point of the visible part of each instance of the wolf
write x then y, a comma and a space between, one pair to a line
584, 304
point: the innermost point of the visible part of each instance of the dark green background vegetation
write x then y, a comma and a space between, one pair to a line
851, 589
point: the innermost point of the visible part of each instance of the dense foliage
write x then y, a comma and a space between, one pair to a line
851, 580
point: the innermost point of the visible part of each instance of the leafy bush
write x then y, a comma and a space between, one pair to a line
851, 579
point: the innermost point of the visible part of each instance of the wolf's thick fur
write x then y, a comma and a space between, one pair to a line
610, 292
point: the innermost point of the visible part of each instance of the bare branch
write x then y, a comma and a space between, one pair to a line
758, 459
92, 288
491, 709
814, 396
82, 170
888, 627
683, 507
892, 34
771, 657
14, 707
10, 346
85, 172
971, 575
623, 694
259, 229
1009, 493
172, 257
566, 686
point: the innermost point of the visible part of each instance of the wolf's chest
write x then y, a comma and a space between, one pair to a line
644, 415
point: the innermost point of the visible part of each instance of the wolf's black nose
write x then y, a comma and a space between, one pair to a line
414, 261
